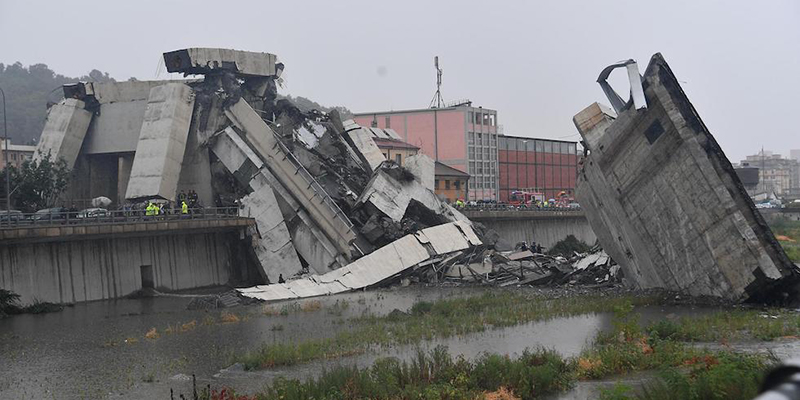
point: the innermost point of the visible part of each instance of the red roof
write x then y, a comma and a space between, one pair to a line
393, 144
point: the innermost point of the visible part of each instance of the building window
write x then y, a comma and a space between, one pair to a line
471, 138
458, 185
388, 123
472, 167
436, 184
478, 118
446, 184
471, 155
398, 158
471, 117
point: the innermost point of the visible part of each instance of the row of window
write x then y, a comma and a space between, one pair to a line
445, 184
482, 139
480, 153
482, 168
481, 118
541, 146
19, 156
480, 182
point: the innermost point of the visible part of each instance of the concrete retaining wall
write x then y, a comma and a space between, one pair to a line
82, 270
545, 232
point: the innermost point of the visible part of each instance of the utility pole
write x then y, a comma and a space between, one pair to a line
8, 172
436, 103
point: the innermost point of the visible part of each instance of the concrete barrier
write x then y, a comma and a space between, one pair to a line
545, 228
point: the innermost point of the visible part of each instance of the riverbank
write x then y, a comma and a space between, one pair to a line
142, 348
662, 348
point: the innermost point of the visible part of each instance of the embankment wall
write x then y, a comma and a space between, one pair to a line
101, 268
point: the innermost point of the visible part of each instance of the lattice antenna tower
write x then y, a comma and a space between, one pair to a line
437, 101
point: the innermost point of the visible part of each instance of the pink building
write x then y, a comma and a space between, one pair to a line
462, 137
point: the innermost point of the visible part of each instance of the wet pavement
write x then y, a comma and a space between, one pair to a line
99, 349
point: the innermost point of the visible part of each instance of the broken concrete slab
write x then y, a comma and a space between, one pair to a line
294, 177
371, 155
248, 169
162, 143
423, 168
666, 204
392, 197
275, 251
64, 131
199, 60
378, 266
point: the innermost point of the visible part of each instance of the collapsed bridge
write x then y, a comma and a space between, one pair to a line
321, 193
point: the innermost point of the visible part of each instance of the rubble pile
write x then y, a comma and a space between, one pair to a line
517, 268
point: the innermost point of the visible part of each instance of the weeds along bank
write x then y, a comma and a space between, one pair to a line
681, 370
788, 234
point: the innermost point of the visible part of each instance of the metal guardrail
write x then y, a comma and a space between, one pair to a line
313, 184
18, 220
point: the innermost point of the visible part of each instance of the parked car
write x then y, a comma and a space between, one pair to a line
11, 216
49, 214
92, 213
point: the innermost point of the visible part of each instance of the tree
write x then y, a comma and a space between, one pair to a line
38, 184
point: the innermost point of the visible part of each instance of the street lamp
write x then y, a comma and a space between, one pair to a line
8, 172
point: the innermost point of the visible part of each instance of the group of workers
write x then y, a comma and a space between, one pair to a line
154, 209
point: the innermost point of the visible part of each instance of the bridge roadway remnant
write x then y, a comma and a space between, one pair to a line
66, 263
545, 228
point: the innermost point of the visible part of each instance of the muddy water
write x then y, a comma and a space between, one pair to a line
99, 349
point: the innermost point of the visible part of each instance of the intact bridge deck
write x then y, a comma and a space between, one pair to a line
120, 224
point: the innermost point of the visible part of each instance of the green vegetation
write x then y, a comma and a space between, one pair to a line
568, 246
434, 375
683, 372
38, 184
9, 305
426, 320
788, 234
729, 325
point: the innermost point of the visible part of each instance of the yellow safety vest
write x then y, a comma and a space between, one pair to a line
184, 208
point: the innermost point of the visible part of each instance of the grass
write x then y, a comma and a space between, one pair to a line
429, 320
684, 372
689, 372
730, 325
788, 234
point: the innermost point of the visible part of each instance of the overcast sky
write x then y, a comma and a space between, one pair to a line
536, 63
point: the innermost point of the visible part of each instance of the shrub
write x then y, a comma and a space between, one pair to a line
567, 246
